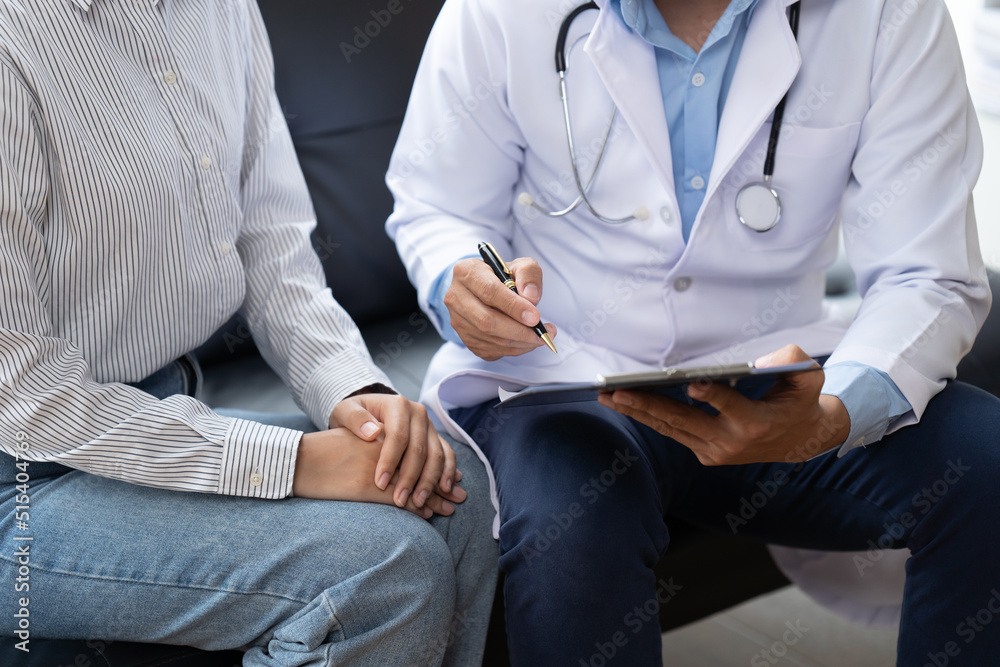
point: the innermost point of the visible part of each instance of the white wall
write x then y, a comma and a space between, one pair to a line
987, 192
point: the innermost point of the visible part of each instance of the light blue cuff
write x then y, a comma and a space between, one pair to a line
435, 302
872, 400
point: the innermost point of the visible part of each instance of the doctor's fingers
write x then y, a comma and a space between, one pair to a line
528, 276
491, 348
475, 284
729, 402
490, 334
668, 418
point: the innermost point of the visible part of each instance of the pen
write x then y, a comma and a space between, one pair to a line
492, 258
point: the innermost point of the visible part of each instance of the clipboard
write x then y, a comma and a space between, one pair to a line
746, 377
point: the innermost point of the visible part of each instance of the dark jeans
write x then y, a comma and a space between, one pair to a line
585, 492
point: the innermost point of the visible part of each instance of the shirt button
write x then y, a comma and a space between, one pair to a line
206, 162
666, 215
681, 284
169, 78
256, 479
697, 182
698, 80
225, 248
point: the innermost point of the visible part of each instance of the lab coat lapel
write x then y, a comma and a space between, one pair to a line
627, 66
767, 67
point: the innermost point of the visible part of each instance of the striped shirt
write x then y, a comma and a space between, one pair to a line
149, 190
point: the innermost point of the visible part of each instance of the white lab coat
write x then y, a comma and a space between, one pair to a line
879, 139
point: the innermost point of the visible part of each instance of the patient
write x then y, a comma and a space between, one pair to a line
150, 190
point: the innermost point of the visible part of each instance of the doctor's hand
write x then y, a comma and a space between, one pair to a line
491, 320
338, 465
412, 458
793, 422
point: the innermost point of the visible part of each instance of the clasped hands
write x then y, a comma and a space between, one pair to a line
381, 448
792, 423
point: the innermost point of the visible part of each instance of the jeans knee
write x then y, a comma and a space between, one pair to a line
424, 562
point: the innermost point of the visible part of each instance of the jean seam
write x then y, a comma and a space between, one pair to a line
157, 583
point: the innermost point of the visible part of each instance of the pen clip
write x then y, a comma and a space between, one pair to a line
498, 258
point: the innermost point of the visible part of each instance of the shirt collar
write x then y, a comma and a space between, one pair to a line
637, 16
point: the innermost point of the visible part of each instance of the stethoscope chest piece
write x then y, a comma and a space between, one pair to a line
758, 206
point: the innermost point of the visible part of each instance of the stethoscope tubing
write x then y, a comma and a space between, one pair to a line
641, 213
583, 189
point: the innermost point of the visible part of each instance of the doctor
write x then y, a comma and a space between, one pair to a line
656, 265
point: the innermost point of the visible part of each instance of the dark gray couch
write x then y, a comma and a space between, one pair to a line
344, 117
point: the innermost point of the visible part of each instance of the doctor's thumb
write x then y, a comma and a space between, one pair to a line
528, 276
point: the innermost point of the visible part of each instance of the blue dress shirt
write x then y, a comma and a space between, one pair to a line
693, 85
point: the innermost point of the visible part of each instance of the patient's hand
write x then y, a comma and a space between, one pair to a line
412, 452
338, 465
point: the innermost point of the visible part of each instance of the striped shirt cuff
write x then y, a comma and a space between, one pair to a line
258, 461
334, 381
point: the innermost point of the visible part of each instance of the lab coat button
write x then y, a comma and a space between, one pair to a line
666, 215
698, 80
697, 182
681, 284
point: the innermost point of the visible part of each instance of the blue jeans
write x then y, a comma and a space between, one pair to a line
292, 582
585, 496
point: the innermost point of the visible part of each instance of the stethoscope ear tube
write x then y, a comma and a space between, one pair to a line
564, 32
779, 111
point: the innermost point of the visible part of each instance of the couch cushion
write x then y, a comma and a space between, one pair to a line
343, 73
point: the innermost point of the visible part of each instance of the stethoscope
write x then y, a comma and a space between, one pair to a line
758, 205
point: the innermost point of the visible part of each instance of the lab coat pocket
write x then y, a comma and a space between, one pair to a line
811, 169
